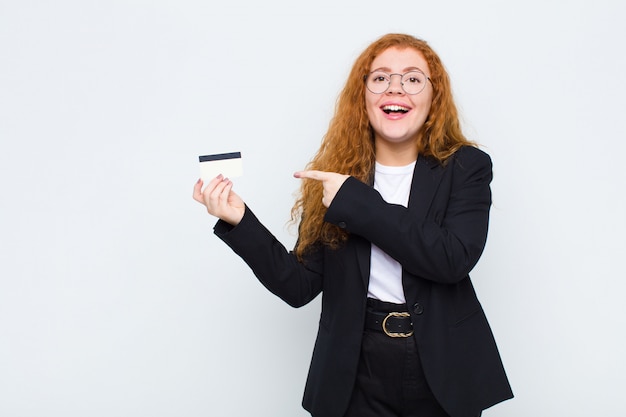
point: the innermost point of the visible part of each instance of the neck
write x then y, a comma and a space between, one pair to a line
395, 154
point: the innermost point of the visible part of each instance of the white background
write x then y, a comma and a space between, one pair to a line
117, 300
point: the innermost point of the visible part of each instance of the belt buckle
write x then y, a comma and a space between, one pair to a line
396, 334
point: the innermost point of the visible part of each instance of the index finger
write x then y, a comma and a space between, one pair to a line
311, 174
198, 188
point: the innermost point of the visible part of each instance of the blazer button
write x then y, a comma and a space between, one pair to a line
342, 225
418, 308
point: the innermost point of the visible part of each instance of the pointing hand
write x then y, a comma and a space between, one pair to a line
331, 181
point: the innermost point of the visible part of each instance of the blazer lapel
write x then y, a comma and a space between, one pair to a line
363, 250
426, 178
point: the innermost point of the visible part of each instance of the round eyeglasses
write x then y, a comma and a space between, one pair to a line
412, 82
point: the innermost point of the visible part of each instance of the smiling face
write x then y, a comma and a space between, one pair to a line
397, 117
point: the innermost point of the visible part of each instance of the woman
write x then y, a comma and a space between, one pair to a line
393, 214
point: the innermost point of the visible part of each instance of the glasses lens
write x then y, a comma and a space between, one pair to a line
413, 82
378, 82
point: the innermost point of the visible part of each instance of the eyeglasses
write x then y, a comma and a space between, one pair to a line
413, 82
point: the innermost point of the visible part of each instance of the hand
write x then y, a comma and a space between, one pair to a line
220, 200
331, 181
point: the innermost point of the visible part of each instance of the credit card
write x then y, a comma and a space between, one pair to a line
227, 164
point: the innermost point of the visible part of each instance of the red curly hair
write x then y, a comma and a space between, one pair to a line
348, 145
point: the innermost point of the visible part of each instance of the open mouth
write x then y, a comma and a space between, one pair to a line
394, 109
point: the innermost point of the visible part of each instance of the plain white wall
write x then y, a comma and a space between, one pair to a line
117, 300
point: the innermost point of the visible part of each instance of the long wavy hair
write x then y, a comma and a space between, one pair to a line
348, 145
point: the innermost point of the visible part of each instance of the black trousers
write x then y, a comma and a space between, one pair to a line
390, 380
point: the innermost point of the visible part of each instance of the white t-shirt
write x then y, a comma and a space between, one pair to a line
394, 185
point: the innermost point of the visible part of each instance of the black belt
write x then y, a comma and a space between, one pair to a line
394, 324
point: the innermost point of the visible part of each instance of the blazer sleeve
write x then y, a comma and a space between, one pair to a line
278, 269
446, 243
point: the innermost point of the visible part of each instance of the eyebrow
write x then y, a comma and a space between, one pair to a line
407, 69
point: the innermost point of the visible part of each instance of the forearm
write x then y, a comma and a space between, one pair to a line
442, 243
276, 268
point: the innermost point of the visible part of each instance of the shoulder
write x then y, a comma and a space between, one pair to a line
471, 154
469, 160
465, 156
469, 164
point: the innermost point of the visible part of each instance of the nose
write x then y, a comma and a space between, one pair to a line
395, 84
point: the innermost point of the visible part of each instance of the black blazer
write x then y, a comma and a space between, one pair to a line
438, 239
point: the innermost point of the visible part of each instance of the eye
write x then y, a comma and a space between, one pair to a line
379, 78
414, 78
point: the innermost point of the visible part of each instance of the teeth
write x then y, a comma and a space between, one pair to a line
395, 108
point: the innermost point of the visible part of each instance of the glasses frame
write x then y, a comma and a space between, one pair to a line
366, 76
